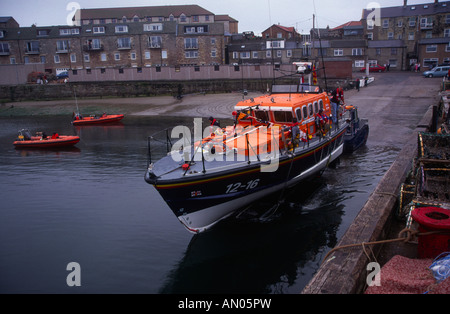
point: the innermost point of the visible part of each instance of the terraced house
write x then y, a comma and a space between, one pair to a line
122, 38
409, 34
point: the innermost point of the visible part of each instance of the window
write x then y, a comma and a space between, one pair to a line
245, 55
359, 64
429, 34
447, 32
412, 21
147, 55
155, 27
183, 18
98, 30
124, 43
213, 53
268, 54
62, 46
4, 49
275, 44
26, 60
338, 52
117, 56
431, 48
283, 116
164, 54
400, 23
255, 54
305, 112
12, 60
155, 42
57, 59
426, 22
87, 58
73, 57
393, 51
357, 52
190, 43
133, 56
43, 59
411, 36
370, 36
447, 48
32, 47
191, 54
385, 23
390, 35
122, 29
279, 53
447, 19
103, 57
378, 51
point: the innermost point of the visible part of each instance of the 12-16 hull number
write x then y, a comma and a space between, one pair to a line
239, 186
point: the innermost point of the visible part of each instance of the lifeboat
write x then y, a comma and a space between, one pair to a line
41, 140
95, 119
276, 141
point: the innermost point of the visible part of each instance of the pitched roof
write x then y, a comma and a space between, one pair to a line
412, 10
348, 24
130, 12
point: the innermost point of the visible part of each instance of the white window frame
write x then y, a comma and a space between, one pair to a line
121, 29
338, 52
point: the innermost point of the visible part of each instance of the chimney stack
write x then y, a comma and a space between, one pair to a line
405, 3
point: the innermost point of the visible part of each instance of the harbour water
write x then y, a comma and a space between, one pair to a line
91, 205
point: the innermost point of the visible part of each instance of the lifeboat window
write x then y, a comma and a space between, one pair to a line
311, 112
298, 112
283, 116
316, 107
305, 112
262, 115
321, 104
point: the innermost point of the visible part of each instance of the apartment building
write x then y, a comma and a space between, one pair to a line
409, 34
121, 38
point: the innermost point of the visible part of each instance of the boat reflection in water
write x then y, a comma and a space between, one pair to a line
262, 257
277, 141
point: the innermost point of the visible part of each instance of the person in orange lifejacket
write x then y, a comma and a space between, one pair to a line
55, 136
321, 121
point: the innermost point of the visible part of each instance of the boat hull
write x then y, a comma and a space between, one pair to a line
62, 141
202, 201
359, 139
99, 120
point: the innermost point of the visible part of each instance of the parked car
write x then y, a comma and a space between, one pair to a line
62, 75
375, 68
438, 71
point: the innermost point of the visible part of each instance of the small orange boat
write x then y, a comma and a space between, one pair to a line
103, 119
25, 140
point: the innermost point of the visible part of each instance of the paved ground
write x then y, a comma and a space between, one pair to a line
394, 103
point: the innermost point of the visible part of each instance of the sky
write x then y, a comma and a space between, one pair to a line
253, 15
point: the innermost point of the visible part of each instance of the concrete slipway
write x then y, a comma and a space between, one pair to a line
344, 270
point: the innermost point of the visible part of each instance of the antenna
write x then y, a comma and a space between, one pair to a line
320, 45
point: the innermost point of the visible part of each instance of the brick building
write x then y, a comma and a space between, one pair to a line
409, 34
121, 38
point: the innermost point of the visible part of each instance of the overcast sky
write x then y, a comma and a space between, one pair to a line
253, 15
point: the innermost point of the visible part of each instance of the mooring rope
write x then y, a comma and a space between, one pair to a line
409, 233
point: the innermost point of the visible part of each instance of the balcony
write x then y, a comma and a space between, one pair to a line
92, 48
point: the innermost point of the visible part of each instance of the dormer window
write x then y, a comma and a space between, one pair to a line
183, 18
136, 18
122, 29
